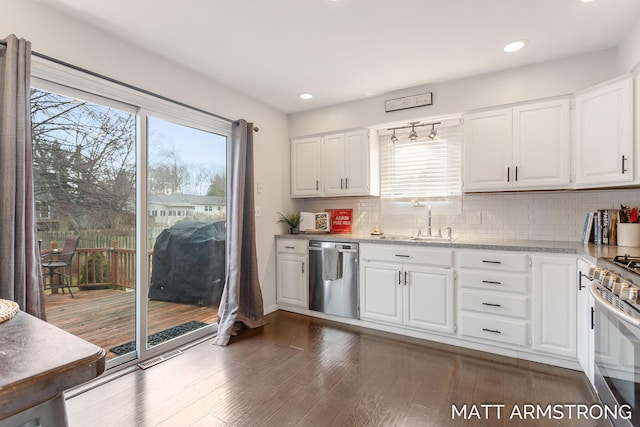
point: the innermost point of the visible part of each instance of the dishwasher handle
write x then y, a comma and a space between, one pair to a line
341, 250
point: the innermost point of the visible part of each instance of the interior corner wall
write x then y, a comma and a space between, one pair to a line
543, 80
629, 52
74, 42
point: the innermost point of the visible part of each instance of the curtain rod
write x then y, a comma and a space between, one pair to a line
127, 85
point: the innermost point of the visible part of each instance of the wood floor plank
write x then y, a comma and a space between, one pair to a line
301, 371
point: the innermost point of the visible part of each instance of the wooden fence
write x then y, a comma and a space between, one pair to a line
107, 267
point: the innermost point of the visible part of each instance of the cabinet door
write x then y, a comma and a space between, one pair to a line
603, 129
554, 305
357, 177
380, 292
541, 145
488, 150
292, 280
428, 298
333, 161
585, 332
305, 167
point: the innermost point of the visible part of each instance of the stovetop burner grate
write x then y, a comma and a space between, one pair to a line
631, 263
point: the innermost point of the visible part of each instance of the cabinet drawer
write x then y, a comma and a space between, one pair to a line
292, 246
498, 261
500, 330
407, 254
494, 280
497, 304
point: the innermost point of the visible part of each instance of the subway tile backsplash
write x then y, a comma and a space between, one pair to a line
549, 215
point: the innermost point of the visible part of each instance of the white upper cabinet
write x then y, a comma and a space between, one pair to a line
541, 145
487, 150
342, 164
305, 167
603, 131
526, 147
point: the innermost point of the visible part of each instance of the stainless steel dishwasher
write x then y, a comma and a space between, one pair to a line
333, 278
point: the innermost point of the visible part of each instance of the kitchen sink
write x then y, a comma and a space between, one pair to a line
434, 239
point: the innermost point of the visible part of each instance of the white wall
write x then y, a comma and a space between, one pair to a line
629, 52
543, 80
71, 41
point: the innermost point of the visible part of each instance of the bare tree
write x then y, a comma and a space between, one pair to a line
84, 160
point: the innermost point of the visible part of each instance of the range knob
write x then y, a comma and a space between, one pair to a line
599, 273
629, 292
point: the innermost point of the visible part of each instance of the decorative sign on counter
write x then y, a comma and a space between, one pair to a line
341, 220
406, 102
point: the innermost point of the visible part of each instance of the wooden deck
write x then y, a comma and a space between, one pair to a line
106, 317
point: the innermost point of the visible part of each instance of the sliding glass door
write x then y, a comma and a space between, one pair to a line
146, 192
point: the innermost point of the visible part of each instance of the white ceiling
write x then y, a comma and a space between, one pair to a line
350, 49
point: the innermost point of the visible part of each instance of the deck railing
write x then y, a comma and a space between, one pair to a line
113, 267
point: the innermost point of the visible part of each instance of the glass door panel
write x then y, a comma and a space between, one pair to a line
84, 179
186, 229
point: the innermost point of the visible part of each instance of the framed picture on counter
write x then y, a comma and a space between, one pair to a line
323, 222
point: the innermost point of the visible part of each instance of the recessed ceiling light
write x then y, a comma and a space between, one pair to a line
515, 46
305, 96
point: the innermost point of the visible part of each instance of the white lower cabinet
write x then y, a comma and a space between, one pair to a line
410, 292
292, 276
554, 305
585, 336
494, 296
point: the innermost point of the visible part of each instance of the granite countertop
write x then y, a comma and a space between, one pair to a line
572, 248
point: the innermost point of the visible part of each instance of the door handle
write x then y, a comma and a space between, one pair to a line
508, 173
492, 282
346, 183
624, 159
516, 173
399, 277
317, 185
302, 267
492, 262
405, 278
493, 331
491, 304
341, 184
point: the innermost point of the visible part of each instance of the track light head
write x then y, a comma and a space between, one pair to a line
394, 138
413, 135
433, 132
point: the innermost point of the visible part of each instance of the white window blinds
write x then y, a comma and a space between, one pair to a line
423, 169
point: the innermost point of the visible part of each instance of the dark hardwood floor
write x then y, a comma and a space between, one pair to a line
302, 371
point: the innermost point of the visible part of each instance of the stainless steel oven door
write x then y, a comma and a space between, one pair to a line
617, 362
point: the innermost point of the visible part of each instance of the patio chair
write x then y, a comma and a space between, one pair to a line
56, 265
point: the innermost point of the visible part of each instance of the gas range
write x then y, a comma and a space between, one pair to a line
617, 281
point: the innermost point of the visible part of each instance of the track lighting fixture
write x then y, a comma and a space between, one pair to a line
413, 135
394, 138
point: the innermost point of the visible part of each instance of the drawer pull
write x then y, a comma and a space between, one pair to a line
493, 331
289, 247
491, 304
492, 262
492, 282
403, 256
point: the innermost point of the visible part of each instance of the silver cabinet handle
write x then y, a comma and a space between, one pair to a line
302, 267
346, 183
341, 183
289, 247
403, 256
493, 331
491, 282
405, 278
399, 277
317, 185
624, 159
508, 174
492, 262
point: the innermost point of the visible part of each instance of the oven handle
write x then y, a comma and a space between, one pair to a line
606, 304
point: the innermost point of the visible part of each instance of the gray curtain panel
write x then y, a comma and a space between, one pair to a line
241, 302
20, 273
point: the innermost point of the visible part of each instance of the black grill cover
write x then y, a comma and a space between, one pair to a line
189, 263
